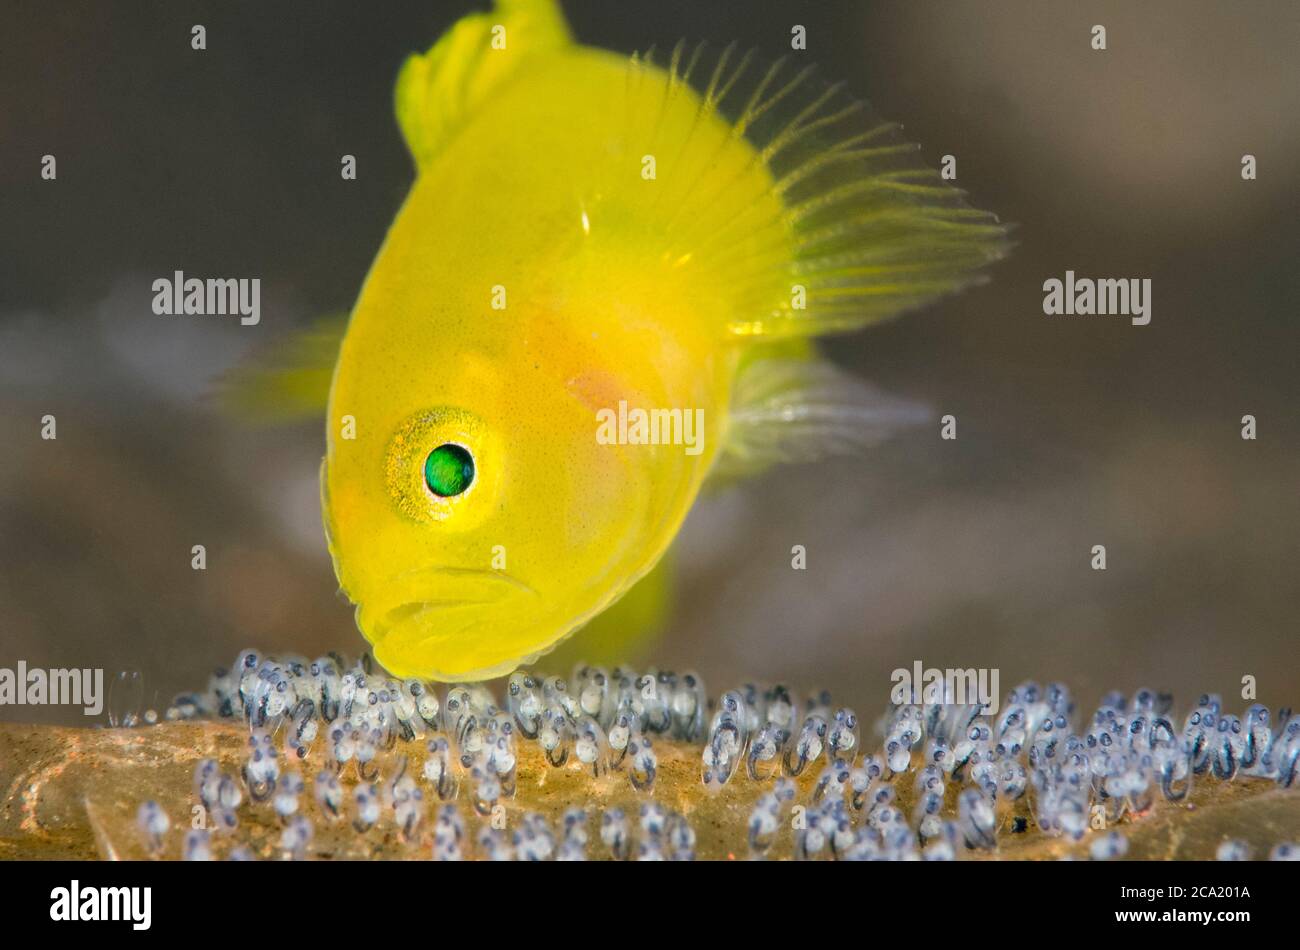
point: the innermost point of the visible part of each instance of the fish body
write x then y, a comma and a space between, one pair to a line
587, 237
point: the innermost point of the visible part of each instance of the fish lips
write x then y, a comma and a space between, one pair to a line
430, 605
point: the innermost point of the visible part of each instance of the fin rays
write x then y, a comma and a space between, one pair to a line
863, 222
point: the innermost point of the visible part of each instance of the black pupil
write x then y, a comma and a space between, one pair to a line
449, 470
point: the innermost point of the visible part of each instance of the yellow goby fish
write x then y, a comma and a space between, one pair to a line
601, 290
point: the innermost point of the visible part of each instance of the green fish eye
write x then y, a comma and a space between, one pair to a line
449, 470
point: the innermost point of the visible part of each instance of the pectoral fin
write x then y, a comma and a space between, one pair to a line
787, 409
289, 379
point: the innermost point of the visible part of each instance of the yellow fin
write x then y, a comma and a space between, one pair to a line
863, 229
289, 379
438, 91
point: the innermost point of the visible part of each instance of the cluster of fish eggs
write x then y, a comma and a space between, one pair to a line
970, 776
1070, 781
358, 718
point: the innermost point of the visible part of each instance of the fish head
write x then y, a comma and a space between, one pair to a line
476, 519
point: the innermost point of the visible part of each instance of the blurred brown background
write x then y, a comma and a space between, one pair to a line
1072, 431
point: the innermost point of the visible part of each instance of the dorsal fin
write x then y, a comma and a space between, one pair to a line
438, 92
863, 226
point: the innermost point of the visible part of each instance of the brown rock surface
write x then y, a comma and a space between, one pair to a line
73, 793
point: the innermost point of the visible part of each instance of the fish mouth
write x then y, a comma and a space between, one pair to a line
444, 592
415, 608
470, 574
